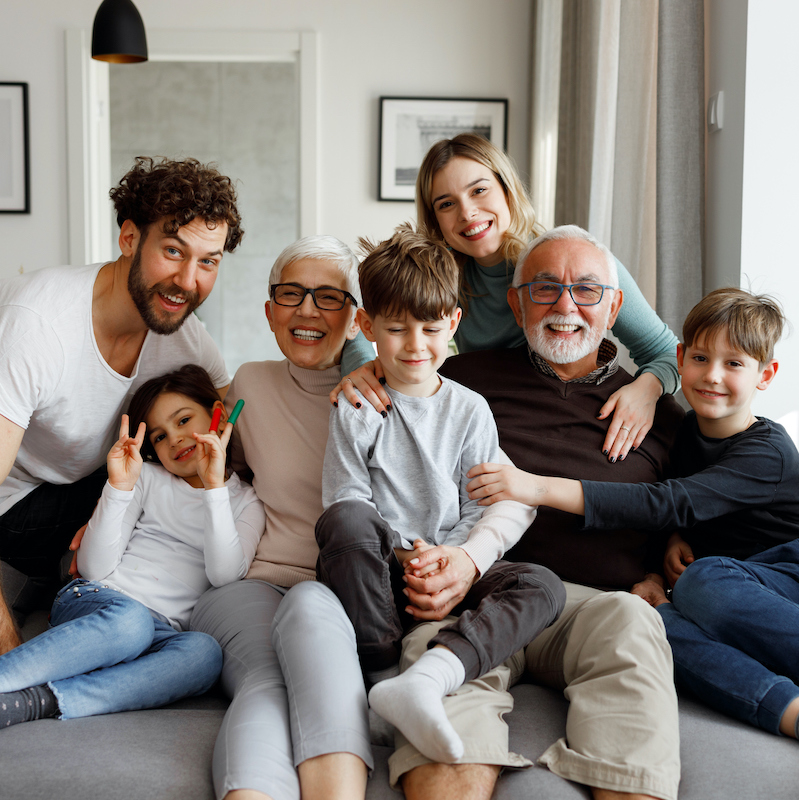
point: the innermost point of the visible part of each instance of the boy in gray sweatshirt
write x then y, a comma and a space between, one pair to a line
394, 486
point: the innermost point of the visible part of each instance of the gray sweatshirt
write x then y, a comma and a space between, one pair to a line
411, 466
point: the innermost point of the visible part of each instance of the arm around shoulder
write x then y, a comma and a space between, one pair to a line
652, 344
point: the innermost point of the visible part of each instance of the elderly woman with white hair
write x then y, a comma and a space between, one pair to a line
298, 721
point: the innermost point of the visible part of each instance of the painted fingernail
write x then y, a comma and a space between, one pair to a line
384, 414
605, 452
382, 381
357, 405
389, 407
613, 460
335, 403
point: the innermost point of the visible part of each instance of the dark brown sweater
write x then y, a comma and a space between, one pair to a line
550, 427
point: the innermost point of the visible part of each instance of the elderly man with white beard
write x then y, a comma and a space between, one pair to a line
608, 651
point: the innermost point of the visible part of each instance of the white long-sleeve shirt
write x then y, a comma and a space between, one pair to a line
164, 543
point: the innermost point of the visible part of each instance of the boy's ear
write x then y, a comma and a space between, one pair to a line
768, 373
680, 356
364, 322
454, 321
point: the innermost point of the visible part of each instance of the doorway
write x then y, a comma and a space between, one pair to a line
246, 103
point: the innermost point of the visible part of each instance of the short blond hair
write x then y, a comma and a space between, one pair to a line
409, 274
753, 323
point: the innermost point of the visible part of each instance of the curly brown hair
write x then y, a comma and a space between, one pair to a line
179, 191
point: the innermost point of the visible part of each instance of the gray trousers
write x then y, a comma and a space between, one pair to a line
291, 670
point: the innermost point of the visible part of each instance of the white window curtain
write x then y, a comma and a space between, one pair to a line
618, 135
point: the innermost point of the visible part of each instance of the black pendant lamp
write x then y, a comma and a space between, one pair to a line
118, 35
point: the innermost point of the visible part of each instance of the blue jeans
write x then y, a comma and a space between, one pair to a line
106, 652
734, 631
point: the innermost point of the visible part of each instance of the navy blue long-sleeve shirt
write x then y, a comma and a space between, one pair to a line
732, 497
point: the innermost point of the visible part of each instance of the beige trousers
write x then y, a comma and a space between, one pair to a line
609, 654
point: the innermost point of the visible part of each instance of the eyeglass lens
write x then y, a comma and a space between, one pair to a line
327, 299
583, 294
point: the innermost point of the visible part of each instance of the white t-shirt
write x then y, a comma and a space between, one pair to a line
55, 383
164, 543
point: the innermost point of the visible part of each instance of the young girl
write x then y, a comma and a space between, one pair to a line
162, 533
469, 193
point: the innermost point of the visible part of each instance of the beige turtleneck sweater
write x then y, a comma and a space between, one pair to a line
281, 437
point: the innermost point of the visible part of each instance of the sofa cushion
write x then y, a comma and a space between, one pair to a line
166, 753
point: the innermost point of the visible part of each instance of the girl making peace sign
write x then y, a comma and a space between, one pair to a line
162, 533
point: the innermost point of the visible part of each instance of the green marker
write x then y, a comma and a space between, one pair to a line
236, 411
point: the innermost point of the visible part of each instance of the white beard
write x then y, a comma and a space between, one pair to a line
560, 351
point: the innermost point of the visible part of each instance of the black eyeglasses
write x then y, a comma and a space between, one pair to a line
324, 298
547, 293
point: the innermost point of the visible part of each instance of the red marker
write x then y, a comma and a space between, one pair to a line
217, 415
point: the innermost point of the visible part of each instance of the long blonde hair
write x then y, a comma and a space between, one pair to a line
523, 225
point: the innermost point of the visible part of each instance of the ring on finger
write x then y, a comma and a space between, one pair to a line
625, 428
347, 380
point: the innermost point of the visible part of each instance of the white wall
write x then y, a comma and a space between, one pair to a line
368, 48
753, 167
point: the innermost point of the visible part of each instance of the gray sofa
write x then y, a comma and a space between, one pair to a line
165, 754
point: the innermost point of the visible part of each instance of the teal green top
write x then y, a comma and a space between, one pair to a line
489, 324
356, 352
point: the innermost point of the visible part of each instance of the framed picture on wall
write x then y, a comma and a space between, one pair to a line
14, 168
410, 125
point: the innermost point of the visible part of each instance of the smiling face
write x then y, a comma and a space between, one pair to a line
471, 209
308, 336
171, 274
410, 350
565, 334
720, 383
171, 421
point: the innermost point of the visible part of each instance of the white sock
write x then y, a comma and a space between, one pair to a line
412, 703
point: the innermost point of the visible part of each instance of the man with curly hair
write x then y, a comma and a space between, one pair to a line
76, 343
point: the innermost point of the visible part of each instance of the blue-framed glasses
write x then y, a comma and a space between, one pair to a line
325, 298
547, 293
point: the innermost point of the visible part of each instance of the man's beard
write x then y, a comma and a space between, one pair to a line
565, 351
143, 297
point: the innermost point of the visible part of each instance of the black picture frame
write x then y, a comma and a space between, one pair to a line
410, 125
14, 149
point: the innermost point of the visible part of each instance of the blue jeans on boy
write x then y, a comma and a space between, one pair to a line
734, 631
107, 652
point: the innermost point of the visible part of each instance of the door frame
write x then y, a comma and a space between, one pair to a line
88, 124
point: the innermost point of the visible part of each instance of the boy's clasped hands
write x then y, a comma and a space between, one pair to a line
437, 577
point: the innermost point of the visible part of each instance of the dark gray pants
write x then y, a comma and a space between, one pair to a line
503, 611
